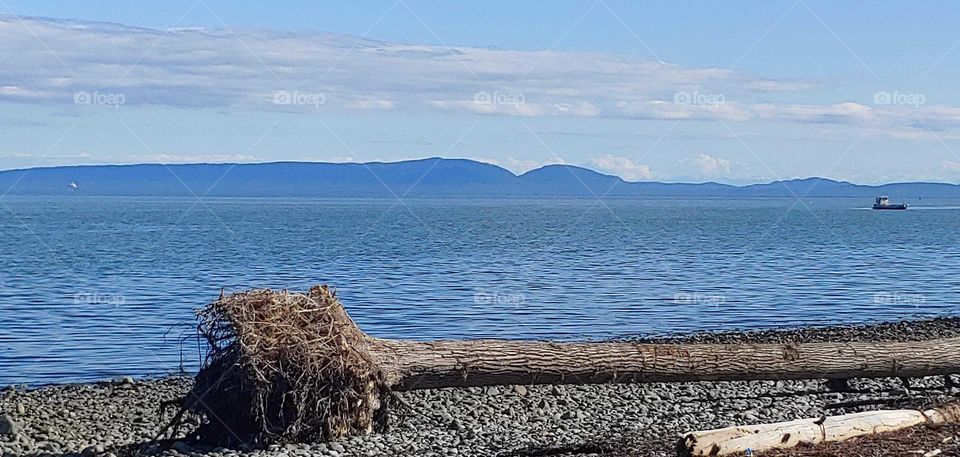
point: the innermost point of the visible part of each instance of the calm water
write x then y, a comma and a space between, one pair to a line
97, 287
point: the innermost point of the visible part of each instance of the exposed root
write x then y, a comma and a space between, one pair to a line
285, 367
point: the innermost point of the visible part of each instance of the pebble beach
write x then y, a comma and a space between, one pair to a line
123, 416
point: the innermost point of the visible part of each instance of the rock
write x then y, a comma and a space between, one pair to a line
21, 410
8, 426
337, 447
181, 447
123, 380
91, 451
520, 390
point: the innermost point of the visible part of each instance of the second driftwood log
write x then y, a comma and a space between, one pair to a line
744, 440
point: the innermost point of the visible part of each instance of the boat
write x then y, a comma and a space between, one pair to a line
883, 202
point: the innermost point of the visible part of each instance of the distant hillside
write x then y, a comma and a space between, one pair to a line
432, 177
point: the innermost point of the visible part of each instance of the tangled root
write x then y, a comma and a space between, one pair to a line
285, 367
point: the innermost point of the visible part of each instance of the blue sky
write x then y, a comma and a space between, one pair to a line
672, 91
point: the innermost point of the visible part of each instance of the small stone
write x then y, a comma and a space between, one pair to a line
21, 410
8, 426
568, 415
123, 380
520, 390
337, 447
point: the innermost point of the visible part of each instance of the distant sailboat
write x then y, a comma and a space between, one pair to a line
73, 186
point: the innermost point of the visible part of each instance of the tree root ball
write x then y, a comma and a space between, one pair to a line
285, 367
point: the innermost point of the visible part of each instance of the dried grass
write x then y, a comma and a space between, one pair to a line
286, 367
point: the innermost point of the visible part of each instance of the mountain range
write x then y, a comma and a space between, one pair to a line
432, 177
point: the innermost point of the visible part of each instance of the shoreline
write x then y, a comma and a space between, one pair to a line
121, 417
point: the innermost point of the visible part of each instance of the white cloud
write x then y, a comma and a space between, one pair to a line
49, 61
373, 104
623, 167
21, 92
707, 166
840, 112
659, 109
248, 68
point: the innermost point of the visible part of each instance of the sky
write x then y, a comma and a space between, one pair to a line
665, 91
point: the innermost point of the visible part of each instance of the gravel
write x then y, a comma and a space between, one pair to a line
942, 327
122, 417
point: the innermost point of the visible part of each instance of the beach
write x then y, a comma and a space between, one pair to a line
122, 416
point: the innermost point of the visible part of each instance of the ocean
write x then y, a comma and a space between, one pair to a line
97, 287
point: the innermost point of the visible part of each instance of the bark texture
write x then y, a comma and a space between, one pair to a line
420, 365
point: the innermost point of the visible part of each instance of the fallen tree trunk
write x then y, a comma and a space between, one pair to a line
783, 435
412, 365
285, 366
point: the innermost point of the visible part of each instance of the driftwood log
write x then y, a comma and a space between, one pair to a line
758, 438
294, 367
